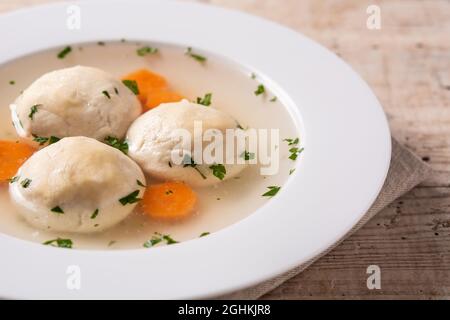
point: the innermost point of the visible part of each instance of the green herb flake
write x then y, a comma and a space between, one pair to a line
61, 243
106, 93
206, 100
95, 214
64, 52
111, 243
139, 183
195, 56
169, 192
169, 239
189, 162
273, 190
33, 110
14, 179
57, 210
253, 75
291, 171
53, 140
132, 85
248, 155
131, 198
44, 140
101, 43
204, 234
146, 51
292, 142
152, 242
25, 183
117, 143
295, 152
260, 90
274, 99
12, 82
116, 91
219, 171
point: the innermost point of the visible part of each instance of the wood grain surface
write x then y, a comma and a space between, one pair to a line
407, 64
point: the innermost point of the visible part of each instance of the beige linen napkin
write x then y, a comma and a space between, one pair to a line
405, 172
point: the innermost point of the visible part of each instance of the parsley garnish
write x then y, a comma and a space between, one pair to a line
195, 56
253, 75
157, 238
44, 140
140, 184
57, 209
292, 142
132, 85
116, 90
274, 99
146, 50
260, 90
219, 171
118, 144
248, 155
273, 190
131, 198
206, 101
61, 243
26, 183
33, 110
64, 52
14, 179
111, 243
295, 152
12, 82
95, 214
204, 234
189, 162
101, 43
291, 171
106, 93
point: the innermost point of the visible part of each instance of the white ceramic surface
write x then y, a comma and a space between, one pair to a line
346, 157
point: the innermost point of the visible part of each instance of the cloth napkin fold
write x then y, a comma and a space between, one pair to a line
405, 172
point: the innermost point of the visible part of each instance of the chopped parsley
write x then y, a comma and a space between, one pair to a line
117, 143
106, 93
116, 91
195, 56
219, 171
131, 198
57, 210
253, 75
204, 234
14, 179
169, 192
295, 152
246, 155
64, 52
260, 90
274, 99
33, 110
101, 43
292, 142
206, 100
291, 171
139, 183
170, 164
111, 243
158, 238
44, 140
146, 50
132, 85
12, 82
25, 183
189, 162
273, 190
61, 243
95, 214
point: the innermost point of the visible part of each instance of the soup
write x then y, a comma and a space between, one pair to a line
235, 90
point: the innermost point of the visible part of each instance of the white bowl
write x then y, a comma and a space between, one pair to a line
346, 158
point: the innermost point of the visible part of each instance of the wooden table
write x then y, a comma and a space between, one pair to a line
407, 64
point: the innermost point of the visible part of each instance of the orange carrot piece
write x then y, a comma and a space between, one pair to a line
169, 201
156, 97
153, 88
12, 155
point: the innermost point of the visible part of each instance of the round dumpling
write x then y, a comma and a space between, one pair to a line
77, 185
77, 101
154, 139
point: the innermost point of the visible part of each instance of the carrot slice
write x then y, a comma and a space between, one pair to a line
153, 88
12, 155
169, 201
156, 97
